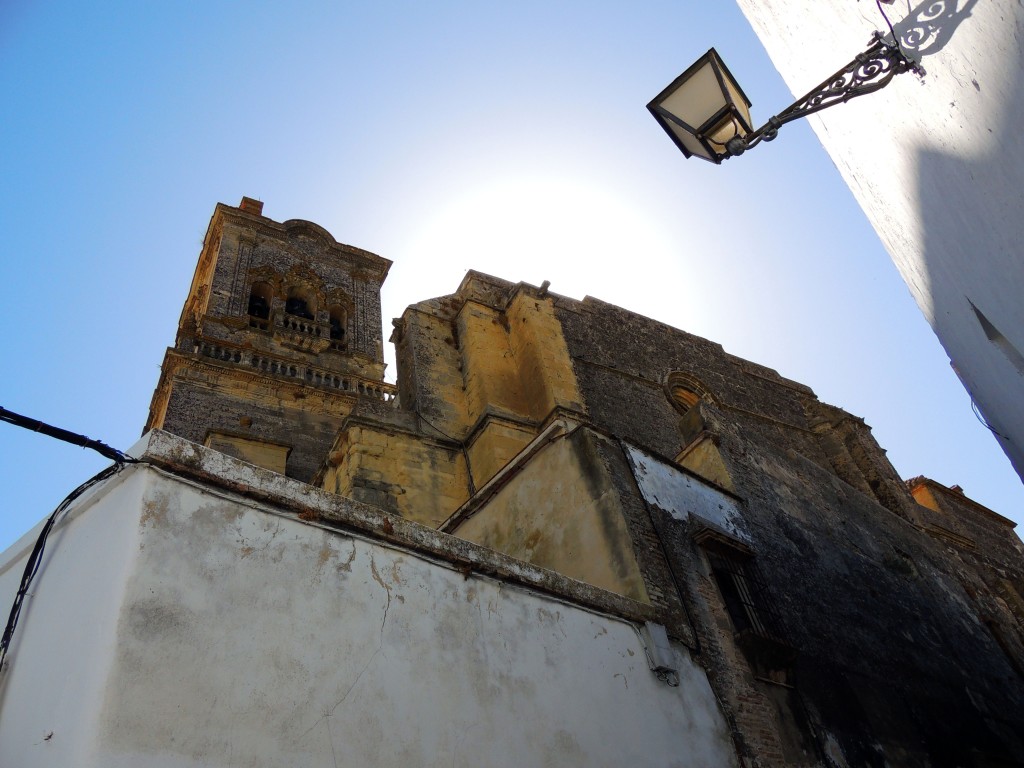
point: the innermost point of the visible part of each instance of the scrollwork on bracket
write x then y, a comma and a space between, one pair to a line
868, 72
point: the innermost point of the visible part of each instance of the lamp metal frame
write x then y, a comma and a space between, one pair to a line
870, 71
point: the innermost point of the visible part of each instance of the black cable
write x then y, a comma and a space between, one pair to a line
462, 444
984, 423
36, 558
892, 30
62, 434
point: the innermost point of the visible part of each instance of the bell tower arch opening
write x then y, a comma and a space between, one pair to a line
283, 337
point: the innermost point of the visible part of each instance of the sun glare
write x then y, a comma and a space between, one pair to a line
583, 238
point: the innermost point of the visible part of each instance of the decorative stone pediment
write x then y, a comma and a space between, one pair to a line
298, 229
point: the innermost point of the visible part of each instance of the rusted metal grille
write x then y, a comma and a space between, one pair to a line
746, 596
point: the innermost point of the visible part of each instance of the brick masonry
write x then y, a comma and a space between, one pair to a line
283, 380
906, 649
897, 611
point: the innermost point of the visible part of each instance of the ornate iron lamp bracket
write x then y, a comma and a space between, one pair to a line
869, 71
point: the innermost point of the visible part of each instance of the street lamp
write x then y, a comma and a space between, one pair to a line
707, 115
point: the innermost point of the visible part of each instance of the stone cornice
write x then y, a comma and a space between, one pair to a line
286, 231
958, 497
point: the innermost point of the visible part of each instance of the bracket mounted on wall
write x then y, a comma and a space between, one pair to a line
706, 114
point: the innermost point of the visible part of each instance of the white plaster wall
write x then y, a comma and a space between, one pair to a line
683, 496
173, 626
56, 671
937, 165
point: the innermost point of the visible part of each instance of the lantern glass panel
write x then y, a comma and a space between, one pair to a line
687, 139
697, 98
739, 102
726, 129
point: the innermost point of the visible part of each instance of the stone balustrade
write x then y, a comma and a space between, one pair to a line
310, 375
296, 324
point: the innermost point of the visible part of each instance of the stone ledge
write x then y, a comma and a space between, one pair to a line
313, 506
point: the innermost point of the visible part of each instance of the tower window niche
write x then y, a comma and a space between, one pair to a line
259, 306
685, 392
338, 322
684, 398
299, 304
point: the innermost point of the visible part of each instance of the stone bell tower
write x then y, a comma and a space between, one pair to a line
279, 337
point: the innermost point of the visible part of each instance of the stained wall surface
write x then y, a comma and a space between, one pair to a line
834, 621
177, 624
837, 627
562, 512
482, 560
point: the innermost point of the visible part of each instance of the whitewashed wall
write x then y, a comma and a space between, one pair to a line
176, 626
937, 166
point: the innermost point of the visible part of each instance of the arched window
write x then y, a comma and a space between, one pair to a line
259, 306
338, 322
685, 391
300, 303
684, 399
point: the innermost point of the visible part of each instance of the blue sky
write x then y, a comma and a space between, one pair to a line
511, 139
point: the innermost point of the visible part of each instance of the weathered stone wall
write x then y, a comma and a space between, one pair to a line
561, 512
245, 249
838, 619
886, 638
490, 348
482, 370
430, 375
878, 629
281, 379
622, 361
951, 510
282, 415
986, 558
402, 471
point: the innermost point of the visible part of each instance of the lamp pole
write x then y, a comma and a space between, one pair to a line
869, 71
